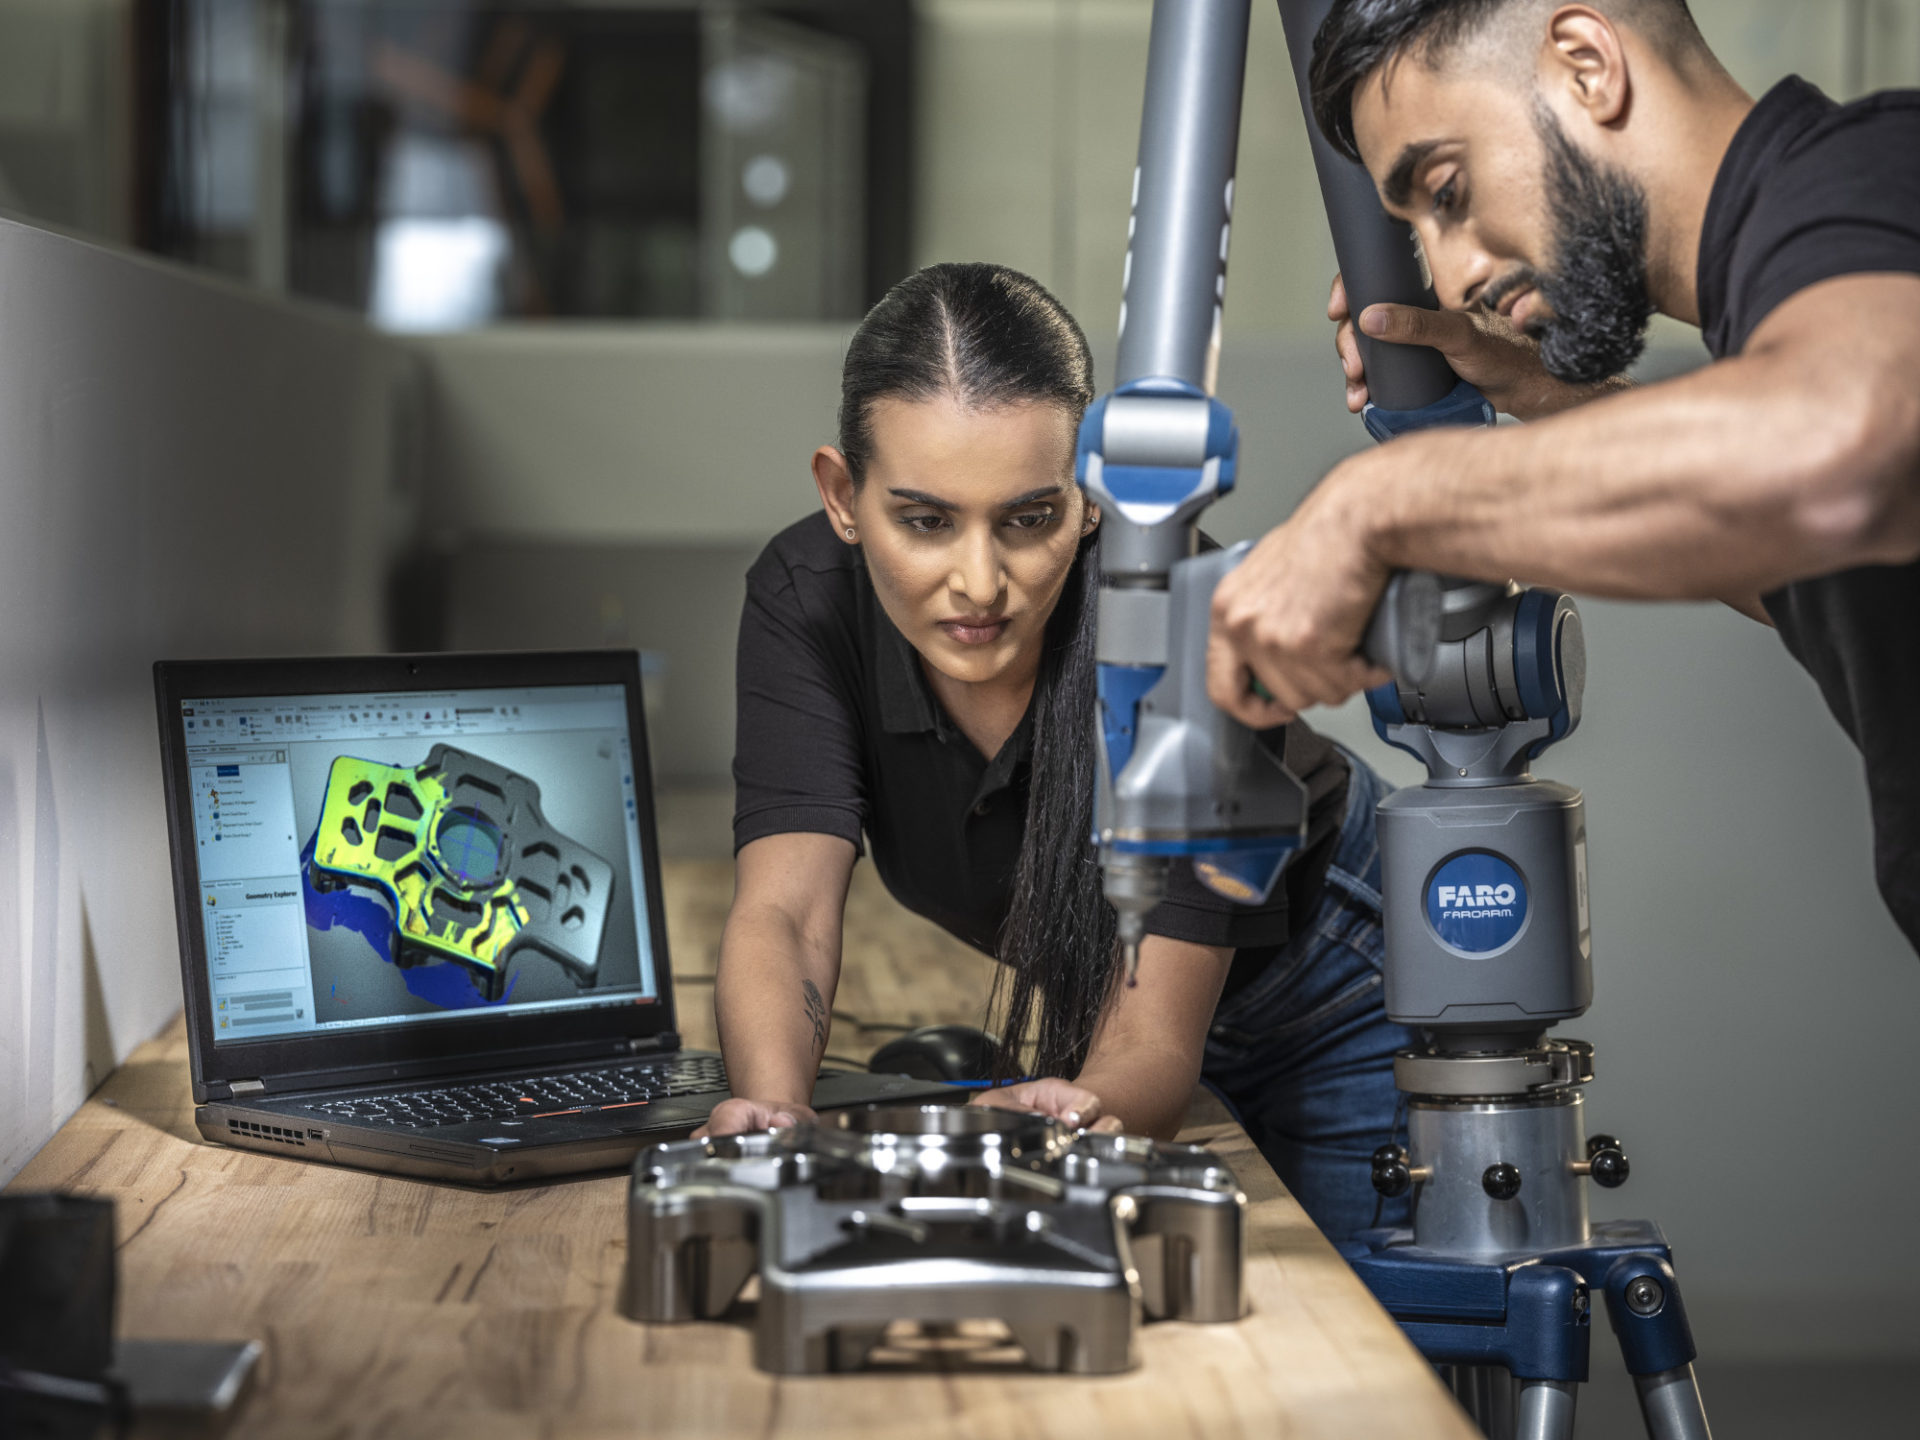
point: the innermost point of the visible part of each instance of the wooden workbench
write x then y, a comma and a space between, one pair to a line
404, 1309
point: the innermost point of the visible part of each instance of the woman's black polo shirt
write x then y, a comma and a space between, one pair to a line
1808, 191
839, 733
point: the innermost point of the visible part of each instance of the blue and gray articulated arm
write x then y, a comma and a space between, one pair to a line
1410, 387
1179, 779
1496, 639
1505, 682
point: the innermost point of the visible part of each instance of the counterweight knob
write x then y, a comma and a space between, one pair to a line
1607, 1162
1392, 1176
1501, 1181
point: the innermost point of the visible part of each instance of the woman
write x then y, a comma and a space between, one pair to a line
916, 664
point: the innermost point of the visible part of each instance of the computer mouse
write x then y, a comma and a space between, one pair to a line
937, 1052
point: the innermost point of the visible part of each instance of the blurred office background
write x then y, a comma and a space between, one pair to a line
332, 325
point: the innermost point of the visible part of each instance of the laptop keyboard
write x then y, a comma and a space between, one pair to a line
569, 1092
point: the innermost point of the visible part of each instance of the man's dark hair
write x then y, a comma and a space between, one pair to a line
1358, 37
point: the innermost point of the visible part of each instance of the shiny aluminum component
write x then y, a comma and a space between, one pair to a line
1458, 1141
936, 1215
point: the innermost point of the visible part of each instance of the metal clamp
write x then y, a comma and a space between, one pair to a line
1555, 1065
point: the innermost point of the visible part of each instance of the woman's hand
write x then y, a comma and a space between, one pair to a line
744, 1117
1061, 1099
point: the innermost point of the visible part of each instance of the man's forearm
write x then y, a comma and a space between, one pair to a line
772, 999
1727, 482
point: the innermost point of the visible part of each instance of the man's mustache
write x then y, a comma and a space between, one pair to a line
1517, 279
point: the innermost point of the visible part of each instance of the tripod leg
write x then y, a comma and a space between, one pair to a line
1545, 1411
1670, 1404
1643, 1302
1485, 1392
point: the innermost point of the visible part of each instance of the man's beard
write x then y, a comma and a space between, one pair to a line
1597, 289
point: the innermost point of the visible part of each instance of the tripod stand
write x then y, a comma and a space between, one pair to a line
1507, 1317
1488, 944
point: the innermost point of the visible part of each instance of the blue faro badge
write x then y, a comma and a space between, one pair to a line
1476, 902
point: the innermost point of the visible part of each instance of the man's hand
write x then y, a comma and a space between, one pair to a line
1483, 348
1061, 1099
1293, 613
744, 1117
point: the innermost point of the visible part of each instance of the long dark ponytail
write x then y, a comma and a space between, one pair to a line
990, 336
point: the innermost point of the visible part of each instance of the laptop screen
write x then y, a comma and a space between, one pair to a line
416, 857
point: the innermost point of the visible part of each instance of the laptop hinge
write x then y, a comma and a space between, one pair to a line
246, 1087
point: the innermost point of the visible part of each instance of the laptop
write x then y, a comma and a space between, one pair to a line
420, 918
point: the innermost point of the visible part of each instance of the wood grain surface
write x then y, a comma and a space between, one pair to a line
400, 1308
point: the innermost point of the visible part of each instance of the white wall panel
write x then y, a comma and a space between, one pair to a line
185, 469
609, 433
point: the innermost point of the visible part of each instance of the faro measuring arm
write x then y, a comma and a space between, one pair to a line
1179, 780
1488, 944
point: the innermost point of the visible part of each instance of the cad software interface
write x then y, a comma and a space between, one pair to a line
381, 859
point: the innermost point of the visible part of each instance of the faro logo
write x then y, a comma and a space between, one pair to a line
1476, 902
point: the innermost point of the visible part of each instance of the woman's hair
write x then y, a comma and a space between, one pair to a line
988, 336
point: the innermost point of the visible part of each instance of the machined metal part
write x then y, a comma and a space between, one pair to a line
460, 850
1553, 1065
1459, 1142
936, 1215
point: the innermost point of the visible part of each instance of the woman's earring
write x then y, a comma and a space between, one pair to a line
849, 532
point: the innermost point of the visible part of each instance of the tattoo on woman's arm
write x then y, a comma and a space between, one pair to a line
816, 1014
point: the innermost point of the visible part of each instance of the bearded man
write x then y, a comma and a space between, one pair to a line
1569, 169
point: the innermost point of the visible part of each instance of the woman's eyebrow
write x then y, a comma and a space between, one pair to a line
921, 497
1032, 495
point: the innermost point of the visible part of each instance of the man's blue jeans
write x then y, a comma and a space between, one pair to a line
1304, 1053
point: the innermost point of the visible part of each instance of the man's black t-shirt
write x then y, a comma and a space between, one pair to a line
839, 732
1811, 190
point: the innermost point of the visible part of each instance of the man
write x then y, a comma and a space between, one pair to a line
1568, 170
